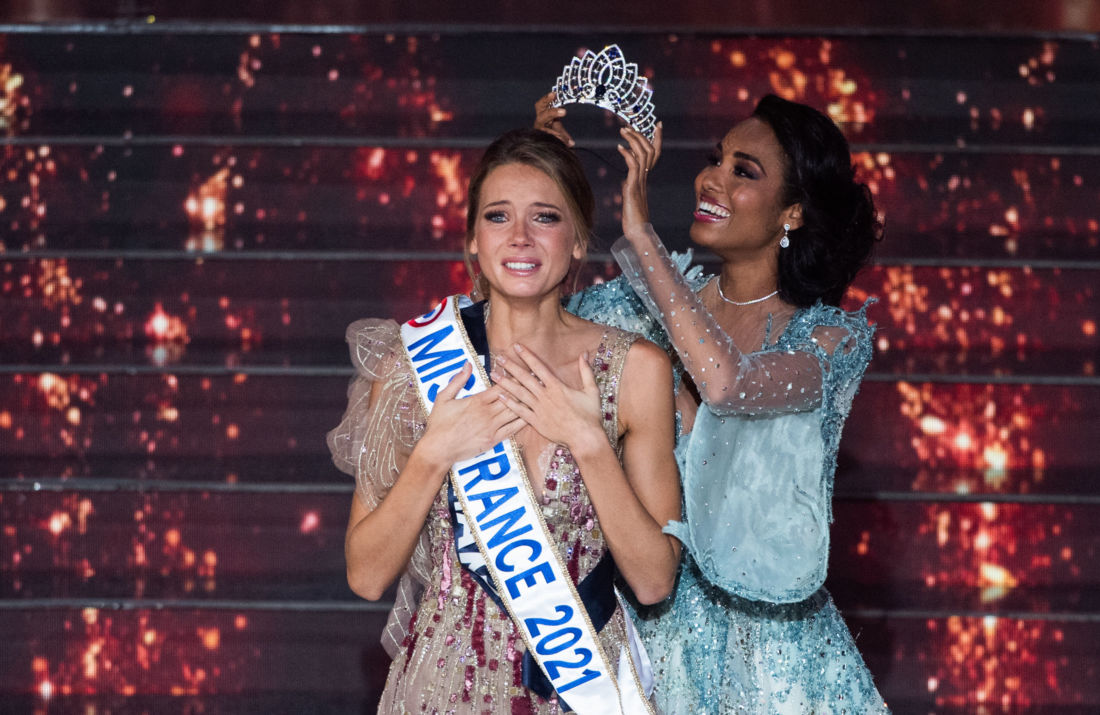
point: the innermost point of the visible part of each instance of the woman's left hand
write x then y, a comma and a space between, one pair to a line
558, 412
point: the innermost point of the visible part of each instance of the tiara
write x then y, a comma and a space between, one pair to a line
608, 81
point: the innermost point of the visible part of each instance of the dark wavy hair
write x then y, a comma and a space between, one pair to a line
839, 224
545, 152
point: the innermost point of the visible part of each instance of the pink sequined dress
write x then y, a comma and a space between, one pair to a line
454, 650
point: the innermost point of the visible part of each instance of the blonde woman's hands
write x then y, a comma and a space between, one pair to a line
640, 156
548, 118
463, 428
558, 412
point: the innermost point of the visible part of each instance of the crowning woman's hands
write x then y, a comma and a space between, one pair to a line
461, 429
548, 118
640, 157
535, 394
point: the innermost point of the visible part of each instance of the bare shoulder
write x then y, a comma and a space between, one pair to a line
646, 376
646, 400
645, 357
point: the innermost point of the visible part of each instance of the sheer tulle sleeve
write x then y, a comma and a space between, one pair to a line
382, 422
615, 303
372, 441
758, 489
729, 381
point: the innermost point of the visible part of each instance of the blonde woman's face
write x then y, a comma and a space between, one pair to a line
524, 236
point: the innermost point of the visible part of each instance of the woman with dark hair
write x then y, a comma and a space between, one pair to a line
506, 508
774, 364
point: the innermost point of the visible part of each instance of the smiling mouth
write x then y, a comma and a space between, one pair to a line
710, 210
520, 265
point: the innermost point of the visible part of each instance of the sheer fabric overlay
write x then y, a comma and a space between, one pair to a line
750, 629
616, 303
730, 380
767, 481
453, 649
373, 445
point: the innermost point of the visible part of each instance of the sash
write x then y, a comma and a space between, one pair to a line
515, 558
597, 589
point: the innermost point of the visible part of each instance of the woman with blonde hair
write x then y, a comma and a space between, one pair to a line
505, 477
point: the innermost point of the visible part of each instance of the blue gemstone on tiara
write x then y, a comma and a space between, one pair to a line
607, 80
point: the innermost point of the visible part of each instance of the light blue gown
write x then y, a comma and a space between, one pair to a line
750, 629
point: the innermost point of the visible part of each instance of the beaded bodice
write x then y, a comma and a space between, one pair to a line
454, 649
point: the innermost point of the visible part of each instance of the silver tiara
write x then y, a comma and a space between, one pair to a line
608, 81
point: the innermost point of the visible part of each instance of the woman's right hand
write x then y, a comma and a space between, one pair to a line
640, 156
548, 118
459, 429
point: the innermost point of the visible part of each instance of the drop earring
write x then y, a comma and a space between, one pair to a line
786, 240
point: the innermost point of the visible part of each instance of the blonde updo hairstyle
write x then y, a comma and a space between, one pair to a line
545, 152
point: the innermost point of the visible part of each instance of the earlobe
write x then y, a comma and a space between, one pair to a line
578, 251
472, 248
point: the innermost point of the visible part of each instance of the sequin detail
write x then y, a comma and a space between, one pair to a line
749, 629
719, 654
461, 653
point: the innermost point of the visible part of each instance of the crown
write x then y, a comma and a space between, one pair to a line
608, 81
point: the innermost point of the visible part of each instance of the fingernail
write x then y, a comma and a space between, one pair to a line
519, 348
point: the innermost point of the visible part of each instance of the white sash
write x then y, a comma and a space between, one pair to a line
500, 514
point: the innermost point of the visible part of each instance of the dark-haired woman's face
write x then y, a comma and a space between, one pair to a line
739, 210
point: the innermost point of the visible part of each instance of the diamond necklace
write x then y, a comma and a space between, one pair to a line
722, 295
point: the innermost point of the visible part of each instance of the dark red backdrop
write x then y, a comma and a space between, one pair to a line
190, 216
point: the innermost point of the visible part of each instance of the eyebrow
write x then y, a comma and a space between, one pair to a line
743, 155
540, 204
750, 157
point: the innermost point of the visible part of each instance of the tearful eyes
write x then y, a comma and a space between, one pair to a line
543, 217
